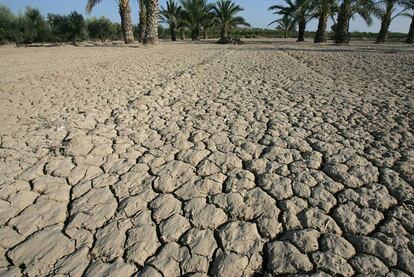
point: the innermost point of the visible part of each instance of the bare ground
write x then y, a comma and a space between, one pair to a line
269, 158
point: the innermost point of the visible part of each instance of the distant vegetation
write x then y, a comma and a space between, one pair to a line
197, 19
32, 27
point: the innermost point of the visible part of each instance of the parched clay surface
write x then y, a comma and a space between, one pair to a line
269, 158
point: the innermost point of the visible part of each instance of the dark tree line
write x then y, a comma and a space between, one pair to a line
300, 12
32, 27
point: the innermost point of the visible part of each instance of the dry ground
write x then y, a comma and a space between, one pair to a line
270, 158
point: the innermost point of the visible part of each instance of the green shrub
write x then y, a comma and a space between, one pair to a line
100, 28
7, 24
31, 27
67, 27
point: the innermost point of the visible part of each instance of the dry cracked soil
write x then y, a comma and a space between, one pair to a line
264, 159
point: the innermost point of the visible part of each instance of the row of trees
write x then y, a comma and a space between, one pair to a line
300, 12
32, 26
200, 16
195, 15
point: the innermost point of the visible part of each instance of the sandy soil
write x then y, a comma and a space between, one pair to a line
188, 159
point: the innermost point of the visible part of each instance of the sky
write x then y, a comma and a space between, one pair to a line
255, 12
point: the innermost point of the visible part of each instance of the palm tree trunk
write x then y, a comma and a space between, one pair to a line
151, 32
410, 37
342, 27
223, 33
182, 34
195, 33
126, 23
173, 32
320, 35
205, 35
142, 20
302, 29
385, 23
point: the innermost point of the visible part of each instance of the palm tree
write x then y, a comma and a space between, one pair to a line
151, 30
124, 12
171, 15
324, 9
285, 24
384, 11
408, 11
301, 11
142, 20
208, 22
181, 24
194, 12
347, 10
225, 12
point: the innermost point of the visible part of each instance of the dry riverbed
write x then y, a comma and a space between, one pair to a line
267, 158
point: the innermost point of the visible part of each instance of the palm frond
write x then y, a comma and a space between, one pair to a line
91, 4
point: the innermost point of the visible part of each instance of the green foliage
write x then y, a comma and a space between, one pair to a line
194, 14
225, 12
101, 28
118, 32
31, 27
7, 24
297, 10
171, 15
67, 27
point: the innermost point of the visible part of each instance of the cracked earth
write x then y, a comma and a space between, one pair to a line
262, 159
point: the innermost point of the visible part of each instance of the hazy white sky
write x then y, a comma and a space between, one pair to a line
256, 12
